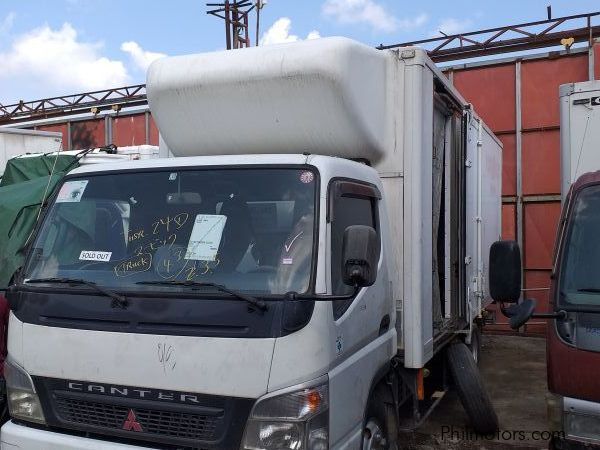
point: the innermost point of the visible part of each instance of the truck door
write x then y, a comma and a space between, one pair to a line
448, 216
360, 321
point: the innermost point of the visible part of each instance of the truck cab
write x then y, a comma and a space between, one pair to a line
573, 338
304, 273
573, 341
149, 230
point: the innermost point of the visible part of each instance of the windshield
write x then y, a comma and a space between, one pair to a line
580, 272
248, 229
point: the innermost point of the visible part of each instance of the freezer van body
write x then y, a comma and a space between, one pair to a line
579, 131
15, 142
315, 247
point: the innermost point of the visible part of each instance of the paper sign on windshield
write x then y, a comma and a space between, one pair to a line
71, 191
206, 237
86, 255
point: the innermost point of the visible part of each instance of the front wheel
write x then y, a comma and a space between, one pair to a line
375, 431
374, 436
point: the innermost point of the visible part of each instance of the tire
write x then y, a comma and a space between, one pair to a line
475, 345
375, 430
470, 389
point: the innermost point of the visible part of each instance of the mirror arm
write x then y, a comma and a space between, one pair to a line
562, 315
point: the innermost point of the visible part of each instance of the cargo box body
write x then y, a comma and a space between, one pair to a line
15, 142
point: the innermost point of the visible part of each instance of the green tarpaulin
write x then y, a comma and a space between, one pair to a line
21, 195
25, 168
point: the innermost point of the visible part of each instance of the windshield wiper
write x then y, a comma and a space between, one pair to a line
118, 300
590, 290
257, 303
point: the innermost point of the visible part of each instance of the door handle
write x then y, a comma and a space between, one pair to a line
384, 325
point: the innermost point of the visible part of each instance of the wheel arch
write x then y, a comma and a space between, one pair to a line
379, 379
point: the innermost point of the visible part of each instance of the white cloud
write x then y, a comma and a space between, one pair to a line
371, 13
280, 32
453, 26
141, 58
57, 59
6, 24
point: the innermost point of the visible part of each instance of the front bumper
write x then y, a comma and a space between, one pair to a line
579, 421
569, 444
13, 437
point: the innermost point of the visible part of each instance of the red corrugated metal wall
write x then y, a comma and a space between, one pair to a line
59, 127
123, 130
129, 130
88, 133
499, 92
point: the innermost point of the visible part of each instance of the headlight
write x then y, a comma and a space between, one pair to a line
297, 420
580, 426
23, 402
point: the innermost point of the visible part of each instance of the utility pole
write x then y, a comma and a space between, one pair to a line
260, 4
235, 13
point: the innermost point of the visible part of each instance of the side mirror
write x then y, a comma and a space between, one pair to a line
360, 255
505, 272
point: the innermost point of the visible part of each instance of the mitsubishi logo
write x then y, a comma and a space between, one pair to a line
131, 423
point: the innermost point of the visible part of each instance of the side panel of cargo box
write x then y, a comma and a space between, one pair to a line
483, 210
447, 171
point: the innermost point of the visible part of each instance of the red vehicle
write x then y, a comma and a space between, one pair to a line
573, 339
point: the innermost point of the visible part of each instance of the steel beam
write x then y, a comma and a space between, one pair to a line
519, 162
87, 102
480, 43
547, 198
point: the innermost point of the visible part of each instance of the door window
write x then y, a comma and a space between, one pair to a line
351, 204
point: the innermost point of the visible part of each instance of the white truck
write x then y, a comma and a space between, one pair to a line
302, 275
15, 142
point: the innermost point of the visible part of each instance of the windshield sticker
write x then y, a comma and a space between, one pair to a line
87, 255
287, 261
307, 177
206, 237
71, 191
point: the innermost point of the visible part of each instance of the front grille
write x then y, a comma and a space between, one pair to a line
154, 422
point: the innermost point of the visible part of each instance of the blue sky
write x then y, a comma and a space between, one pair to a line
57, 47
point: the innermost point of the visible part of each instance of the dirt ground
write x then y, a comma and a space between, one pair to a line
514, 371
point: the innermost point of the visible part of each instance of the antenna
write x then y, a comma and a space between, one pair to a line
235, 14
